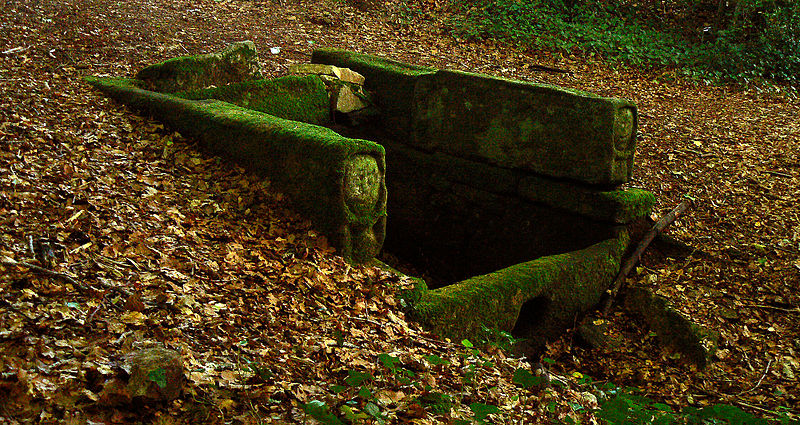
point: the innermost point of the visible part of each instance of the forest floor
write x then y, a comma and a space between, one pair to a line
266, 317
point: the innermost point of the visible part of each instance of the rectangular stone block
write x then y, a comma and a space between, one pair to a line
337, 182
619, 206
540, 128
237, 62
344, 74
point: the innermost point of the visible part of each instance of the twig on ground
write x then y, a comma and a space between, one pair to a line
551, 69
90, 317
732, 399
771, 307
7, 261
660, 225
777, 173
364, 319
766, 370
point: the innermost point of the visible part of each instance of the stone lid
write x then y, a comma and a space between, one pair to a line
344, 74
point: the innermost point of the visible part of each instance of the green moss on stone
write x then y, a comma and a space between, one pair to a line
408, 296
616, 206
308, 162
674, 330
571, 283
237, 62
539, 128
293, 98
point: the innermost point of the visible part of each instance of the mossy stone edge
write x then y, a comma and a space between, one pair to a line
306, 161
570, 284
296, 98
544, 129
236, 63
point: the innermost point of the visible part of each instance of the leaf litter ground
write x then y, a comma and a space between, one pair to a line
265, 315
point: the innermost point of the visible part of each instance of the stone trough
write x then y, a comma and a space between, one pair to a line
506, 191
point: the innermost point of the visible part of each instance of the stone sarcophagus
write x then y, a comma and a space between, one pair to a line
506, 192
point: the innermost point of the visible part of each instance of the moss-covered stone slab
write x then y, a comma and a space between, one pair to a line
545, 129
336, 181
537, 299
619, 206
237, 62
293, 98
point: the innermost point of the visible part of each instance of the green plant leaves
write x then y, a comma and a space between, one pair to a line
480, 411
389, 361
158, 376
319, 411
758, 43
355, 378
436, 360
526, 379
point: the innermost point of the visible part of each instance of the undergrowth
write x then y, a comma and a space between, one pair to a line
752, 41
612, 405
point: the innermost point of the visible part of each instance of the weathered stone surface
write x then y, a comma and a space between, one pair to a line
309, 163
343, 74
346, 100
114, 393
392, 81
236, 63
615, 206
544, 129
536, 299
362, 183
155, 374
695, 344
293, 98
540, 128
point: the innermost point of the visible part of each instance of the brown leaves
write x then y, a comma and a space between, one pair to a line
222, 270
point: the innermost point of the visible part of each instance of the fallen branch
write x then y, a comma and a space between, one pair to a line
550, 69
8, 261
766, 370
772, 307
90, 317
727, 398
778, 174
660, 225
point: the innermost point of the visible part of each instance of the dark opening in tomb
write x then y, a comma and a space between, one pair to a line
532, 315
451, 218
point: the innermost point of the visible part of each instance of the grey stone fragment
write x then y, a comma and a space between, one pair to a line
344, 74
